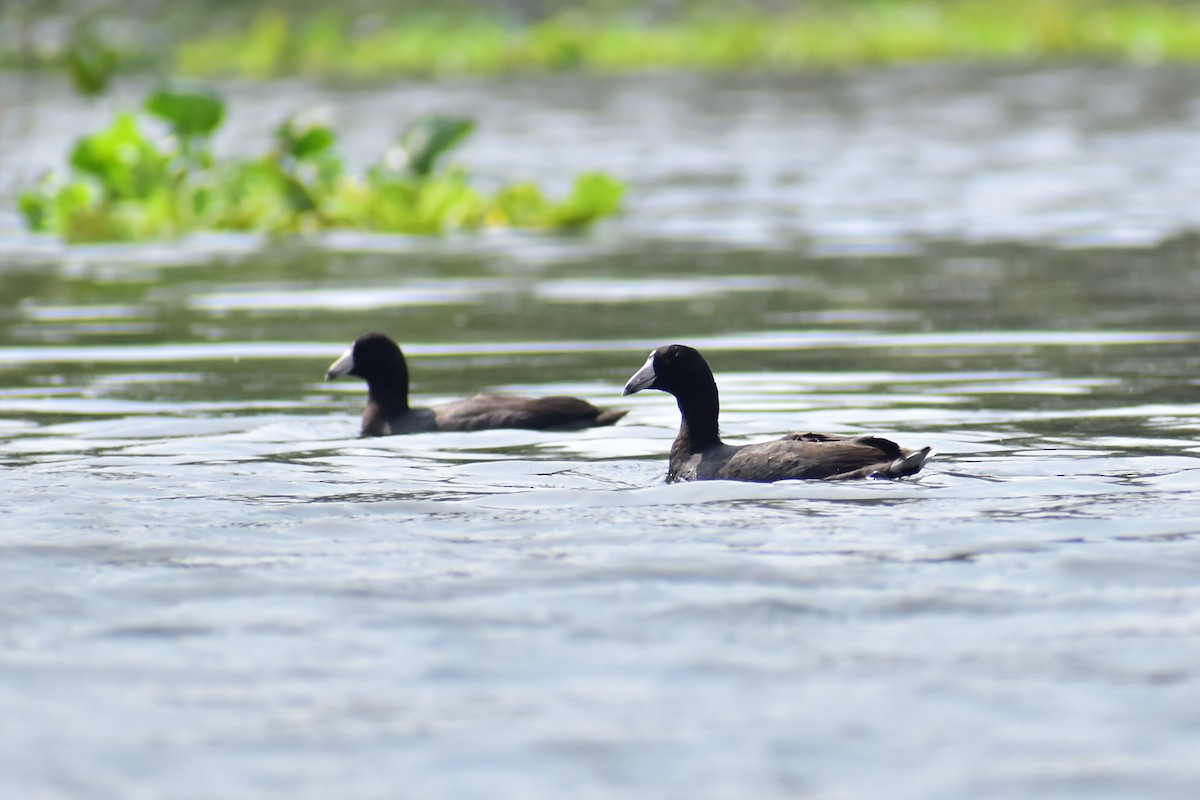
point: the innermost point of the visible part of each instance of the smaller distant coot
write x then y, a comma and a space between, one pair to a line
377, 359
699, 454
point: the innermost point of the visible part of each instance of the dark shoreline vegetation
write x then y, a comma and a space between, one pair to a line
125, 185
267, 40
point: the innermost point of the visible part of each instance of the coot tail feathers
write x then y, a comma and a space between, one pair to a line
909, 464
609, 416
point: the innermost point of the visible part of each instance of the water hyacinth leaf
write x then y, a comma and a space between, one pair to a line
250, 198
190, 111
519, 205
329, 171
202, 201
522, 205
314, 141
448, 204
388, 206
302, 139
126, 164
429, 138
595, 195
33, 207
74, 209
299, 198
90, 63
97, 154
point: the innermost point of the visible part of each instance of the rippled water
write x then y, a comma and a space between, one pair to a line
211, 588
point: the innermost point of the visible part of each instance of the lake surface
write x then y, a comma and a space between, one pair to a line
210, 587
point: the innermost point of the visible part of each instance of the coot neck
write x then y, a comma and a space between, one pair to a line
699, 409
389, 390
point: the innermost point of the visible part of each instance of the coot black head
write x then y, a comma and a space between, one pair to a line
375, 358
372, 356
681, 371
674, 368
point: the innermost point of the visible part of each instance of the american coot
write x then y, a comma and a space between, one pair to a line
699, 454
375, 358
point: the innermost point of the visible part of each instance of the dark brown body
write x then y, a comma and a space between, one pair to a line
486, 412
797, 456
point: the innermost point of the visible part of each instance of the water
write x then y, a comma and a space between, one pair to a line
210, 587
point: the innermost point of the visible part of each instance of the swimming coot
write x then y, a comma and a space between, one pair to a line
377, 359
699, 454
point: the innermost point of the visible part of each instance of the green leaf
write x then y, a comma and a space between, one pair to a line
314, 141
90, 63
429, 138
122, 160
520, 205
311, 142
201, 201
301, 137
191, 111
444, 205
595, 195
298, 197
34, 207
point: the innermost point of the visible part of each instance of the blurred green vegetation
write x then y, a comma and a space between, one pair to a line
125, 185
359, 39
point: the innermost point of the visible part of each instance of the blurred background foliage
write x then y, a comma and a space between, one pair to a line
262, 39
124, 185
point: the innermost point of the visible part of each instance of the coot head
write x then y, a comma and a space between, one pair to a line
375, 358
674, 368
